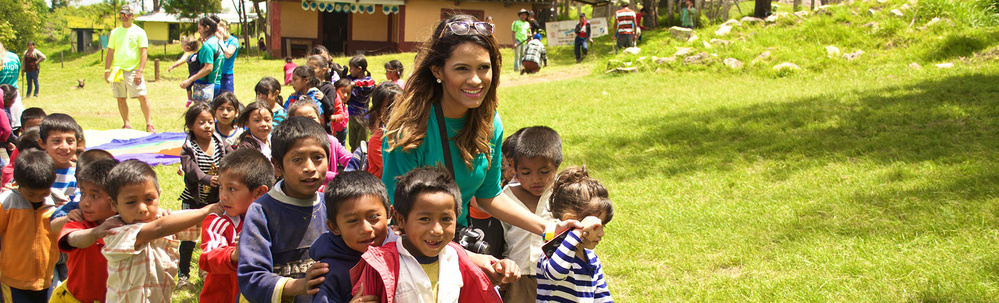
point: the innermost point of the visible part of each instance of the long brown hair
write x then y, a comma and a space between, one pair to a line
407, 123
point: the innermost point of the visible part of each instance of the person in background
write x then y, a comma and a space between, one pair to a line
534, 56
230, 51
624, 26
32, 59
521, 32
123, 66
393, 72
583, 35
261, 45
687, 14
289, 67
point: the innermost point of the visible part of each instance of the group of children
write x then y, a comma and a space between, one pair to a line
280, 219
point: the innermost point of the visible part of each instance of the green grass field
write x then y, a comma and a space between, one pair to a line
862, 180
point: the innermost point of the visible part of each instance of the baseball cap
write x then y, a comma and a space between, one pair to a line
127, 9
523, 11
624, 2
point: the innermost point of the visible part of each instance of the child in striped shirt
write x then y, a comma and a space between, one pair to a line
573, 272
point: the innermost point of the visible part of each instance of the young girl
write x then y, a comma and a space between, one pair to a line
381, 102
199, 159
320, 67
338, 121
191, 46
304, 82
226, 107
358, 105
393, 72
269, 91
338, 154
573, 271
256, 118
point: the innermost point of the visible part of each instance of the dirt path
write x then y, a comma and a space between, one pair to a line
575, 71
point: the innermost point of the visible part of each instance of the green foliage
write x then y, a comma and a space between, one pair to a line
192, 8
20, 22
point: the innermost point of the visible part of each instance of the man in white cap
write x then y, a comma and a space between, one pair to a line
624, 23
124, 64
521, 33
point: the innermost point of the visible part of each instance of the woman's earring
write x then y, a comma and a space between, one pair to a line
438, 80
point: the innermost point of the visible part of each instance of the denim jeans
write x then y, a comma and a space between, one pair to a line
580, 48
32, 79
518, 54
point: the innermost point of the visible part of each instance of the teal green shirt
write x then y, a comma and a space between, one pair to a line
11, 68
210, 53
482, 181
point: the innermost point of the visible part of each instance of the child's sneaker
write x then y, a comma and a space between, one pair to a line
182, 282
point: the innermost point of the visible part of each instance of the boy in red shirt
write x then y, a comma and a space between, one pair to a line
244, 175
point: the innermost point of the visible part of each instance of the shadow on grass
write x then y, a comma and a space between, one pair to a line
948, 122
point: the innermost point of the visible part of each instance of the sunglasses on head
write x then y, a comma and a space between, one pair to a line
469, 28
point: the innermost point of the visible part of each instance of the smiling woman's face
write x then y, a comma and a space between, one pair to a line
466, 78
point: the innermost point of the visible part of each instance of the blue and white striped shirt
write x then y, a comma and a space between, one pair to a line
567, 278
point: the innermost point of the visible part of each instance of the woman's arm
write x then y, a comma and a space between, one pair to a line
207, 69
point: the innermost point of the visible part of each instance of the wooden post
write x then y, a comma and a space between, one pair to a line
62, 62
156, 66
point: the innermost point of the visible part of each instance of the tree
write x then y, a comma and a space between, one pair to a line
762, 9
21, 20
191, 9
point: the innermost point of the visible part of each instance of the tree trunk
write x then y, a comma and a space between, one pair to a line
762, 9
669, 12
813, 5
699, 5
652, 20
157, 4
797, 3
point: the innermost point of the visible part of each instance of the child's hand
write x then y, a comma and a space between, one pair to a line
319, 95
105, 228
562, 226
362, 299
75, 215
307, 285
215, 208
234, 256
214, 182
507, 269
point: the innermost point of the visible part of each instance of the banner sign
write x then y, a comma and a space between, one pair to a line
563, 32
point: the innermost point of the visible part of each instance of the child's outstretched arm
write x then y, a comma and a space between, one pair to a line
216, 253
182, 60
173, 223
86, 238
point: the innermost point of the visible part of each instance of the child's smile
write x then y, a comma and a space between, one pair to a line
430, 224
362, 222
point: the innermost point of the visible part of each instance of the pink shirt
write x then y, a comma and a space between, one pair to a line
288, 68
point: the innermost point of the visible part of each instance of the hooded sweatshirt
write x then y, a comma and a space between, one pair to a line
332, 250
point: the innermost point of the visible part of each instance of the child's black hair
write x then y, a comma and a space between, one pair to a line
292, 130
538, 141
343, 82
59, 123
266, 85
9, 94
211, 24
424, 180
92, 156
28, 140
287, 59
320, 62
303, 101
510, 142
351, 185
252, 167
227, 98
96, 172
396, 66
34, 169
32, 113
337, 69
575, 192
306, 73
192, 113
319, 50
130, 172
382, 98
361, 62
244, 116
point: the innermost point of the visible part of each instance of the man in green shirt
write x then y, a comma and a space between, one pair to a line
521, 31
123, 66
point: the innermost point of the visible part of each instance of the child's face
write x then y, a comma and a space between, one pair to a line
344, 92
31, 123
234, 196
587, 244
536, 174
260, 124
316, 70
300, 84
304, 168
356, 71
81, 146
186, 48
34, 195
138, 202
506, 166
95, 202
61, 146
203, 126
308, 112
225, 114
361, 221
391, 74
430, 224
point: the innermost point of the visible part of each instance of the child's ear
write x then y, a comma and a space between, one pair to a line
390, 213
41, 143
567, 217
259, 191
332, 226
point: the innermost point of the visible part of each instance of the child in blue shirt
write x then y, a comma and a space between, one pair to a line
357, 107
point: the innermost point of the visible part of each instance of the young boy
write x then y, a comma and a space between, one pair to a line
244, 175
142, 253
535, 156
357, 214
273, 249
82, 239
58, 136
423, 265
27, 243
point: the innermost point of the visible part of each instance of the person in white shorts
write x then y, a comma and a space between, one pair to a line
123, 67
